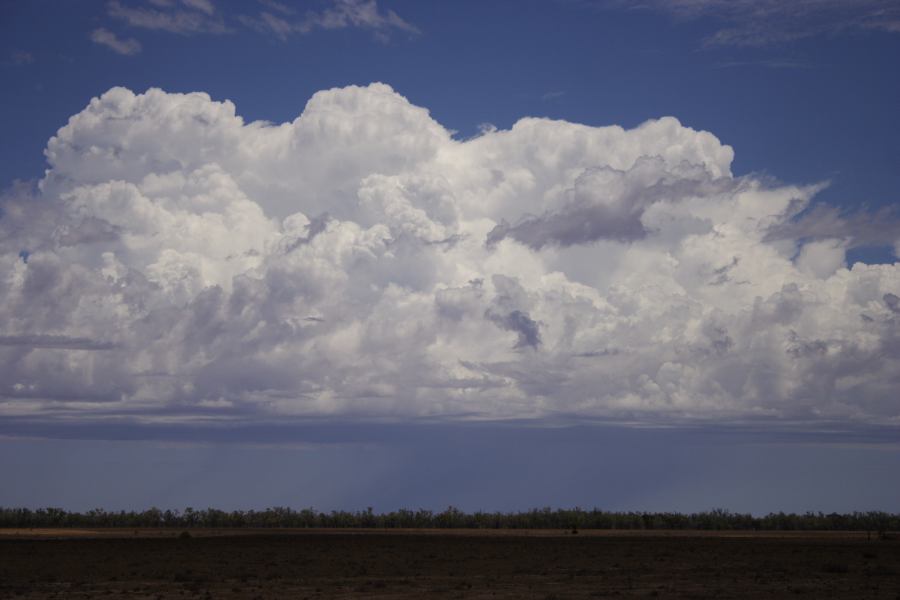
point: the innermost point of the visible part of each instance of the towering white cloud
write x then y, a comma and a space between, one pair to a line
176, 262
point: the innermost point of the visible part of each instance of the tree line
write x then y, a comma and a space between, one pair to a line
451, 518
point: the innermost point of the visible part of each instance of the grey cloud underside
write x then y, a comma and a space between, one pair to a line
893, 302
177, 264
860, 227
577, 225
523, 325
607, 204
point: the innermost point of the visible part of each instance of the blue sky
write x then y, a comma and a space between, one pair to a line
459, 264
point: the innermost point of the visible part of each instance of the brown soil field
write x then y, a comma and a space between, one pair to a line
255, 564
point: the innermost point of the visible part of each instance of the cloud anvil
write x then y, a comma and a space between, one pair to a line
177, 262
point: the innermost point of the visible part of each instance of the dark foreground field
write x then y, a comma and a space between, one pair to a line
415, 564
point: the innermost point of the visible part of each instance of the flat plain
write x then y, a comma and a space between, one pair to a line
389, 564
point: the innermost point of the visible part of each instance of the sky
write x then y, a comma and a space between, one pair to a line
500, 255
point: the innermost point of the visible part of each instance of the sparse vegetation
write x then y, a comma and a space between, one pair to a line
452, 518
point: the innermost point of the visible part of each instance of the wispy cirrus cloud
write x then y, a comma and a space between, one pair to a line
105, 37
186, 17
360, 14
20, 57
772, 63
553, 95
768, 22
189, 17
278, 7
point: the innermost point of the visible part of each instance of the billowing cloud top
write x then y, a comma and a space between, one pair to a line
177, 263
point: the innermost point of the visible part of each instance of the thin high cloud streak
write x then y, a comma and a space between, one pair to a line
766, 22
282, 21
176, 263
185, 17
107, 38
189, 17
19, 58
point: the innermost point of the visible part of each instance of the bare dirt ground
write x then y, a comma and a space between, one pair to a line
254, 564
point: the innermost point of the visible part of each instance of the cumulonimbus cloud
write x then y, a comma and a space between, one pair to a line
176, 262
